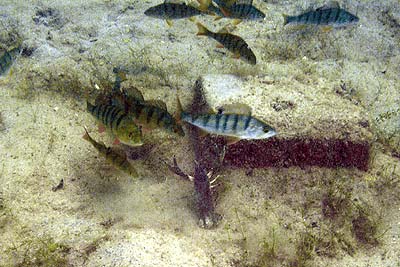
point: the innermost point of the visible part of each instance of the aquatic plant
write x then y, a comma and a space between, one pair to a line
298, 152
365, 225
204, 162
39, 251
1, 122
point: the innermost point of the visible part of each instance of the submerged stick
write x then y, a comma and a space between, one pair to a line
204, 162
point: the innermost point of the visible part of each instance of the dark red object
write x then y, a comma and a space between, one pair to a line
285, 153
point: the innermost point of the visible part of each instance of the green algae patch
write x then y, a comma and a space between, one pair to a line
28, 249
39, 252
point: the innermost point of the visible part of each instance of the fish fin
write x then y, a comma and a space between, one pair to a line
236, 108
232, 140
86, 136
101, 128
169, 22
119, 151
202, 133
236, 22
299, 27
327, 29
236, 55
244, 2
134, 93
157, 103
225, 12
285, 19
220, 46
224, 29
217, 18
330, 4
204, 4
89, 105
228, 3
120, 73
116, 141
202, 29
145, 130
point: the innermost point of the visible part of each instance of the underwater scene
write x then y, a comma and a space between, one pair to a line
226, 133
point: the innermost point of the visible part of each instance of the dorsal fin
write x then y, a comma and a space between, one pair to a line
227, 3
157, 103
244, 2
235, 108
331, 4
173, 1
223, 30
134, 93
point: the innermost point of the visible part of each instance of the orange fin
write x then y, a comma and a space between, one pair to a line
116, 141
102, 128
236, 55
225, 12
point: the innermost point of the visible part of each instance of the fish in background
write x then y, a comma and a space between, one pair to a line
118, 122
112, 155
8, 58
236, 9
170, 10
233, 43
235, 122
330, 15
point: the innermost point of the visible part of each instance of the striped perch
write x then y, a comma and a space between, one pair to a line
328, 15
233, 125
150, 116
7, 59
119, 122
233, 43
237, 10
169, 11
117, 158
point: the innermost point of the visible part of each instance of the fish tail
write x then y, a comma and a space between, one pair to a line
202, 29
87, 137
285, 19
204, 4
89, 106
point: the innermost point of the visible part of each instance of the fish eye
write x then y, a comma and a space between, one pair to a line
266, 129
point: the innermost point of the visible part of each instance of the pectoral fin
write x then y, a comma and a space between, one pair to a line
327, 28
236, 55
101, 128
232, 140
116, 141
